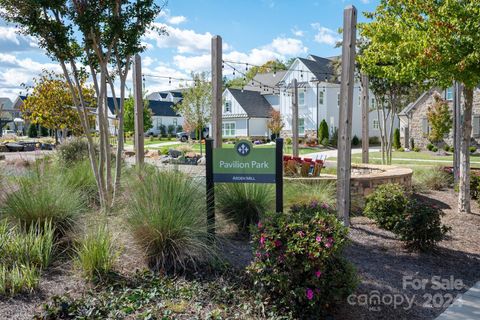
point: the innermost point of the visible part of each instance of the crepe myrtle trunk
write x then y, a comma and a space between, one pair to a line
464, 180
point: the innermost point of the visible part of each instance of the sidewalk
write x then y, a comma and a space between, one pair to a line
334, 153
465, 307
156, 145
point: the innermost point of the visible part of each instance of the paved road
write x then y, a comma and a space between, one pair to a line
334, 153
156, 145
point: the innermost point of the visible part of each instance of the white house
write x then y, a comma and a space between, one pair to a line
319, 98
245, 114
174, 96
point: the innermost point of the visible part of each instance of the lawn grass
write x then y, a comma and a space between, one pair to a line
196, 147
414, 159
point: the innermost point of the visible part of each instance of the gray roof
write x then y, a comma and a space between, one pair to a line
417, 102
322, 68
254, 104
162, 108
6, 103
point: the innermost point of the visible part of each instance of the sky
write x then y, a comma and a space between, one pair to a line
253, 31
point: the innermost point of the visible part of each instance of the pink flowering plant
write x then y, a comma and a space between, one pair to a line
297, 260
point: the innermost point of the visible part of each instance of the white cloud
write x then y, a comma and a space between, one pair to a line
287, 46
183, 40
297, 32
177, 20
280, 48
325, 35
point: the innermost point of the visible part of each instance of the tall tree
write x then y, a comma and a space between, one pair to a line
102, 35
433, 42
195, 107
50, 104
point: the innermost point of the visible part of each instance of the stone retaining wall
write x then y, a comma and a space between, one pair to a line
363, 185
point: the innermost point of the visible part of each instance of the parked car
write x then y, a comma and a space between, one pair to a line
153, 132
9, 132
184, 136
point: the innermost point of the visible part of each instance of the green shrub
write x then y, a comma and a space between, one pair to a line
474, 186
301, 193
431, 179
396, 139
446, 147
323, 134
23, 254
44, 132
452, 149
32, 131
96, 253
401, 150
244, 203
355, 141
374, 141
430, 147
421, 228
166, 214
43, 198
386, 205
334, 138
297, 260
472, 149
73, 151
434, 149
416, 149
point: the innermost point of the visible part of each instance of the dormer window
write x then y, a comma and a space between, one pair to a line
449, 94
301, 98
227, 106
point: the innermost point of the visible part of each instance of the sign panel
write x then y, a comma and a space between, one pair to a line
244, 164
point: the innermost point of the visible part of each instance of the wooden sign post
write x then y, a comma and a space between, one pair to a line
457, 129
295, 118
138, 114
344, 158
365, 121
217, 79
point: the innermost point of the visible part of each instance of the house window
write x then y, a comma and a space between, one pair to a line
476, 125
321, 97
175, 122
227, 107
301, 126
376, 124
338, 99
159, 123
373, 103
301, 98
449, 94
228, 129
425, 127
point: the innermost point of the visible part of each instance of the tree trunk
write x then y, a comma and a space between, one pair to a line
464, 180
79, 103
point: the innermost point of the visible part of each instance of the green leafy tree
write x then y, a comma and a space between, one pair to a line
433, 42
102, 35
129, 114
323, 133
269, 66
396, 139
195, 107
439, 118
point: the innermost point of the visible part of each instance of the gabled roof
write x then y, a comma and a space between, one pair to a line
322, 68
163, 95
5, 103
176, 94
159, 108
424, 96
254, 104
111, 104
162, 108
268, 79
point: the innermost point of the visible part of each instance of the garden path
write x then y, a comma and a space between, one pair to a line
467, 306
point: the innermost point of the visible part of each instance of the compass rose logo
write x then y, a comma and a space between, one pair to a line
243, 148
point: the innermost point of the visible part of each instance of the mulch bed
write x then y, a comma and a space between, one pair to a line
381, 261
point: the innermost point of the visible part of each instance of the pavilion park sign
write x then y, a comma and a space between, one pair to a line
243, 164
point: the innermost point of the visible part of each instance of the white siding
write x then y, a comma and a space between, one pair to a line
258, 127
